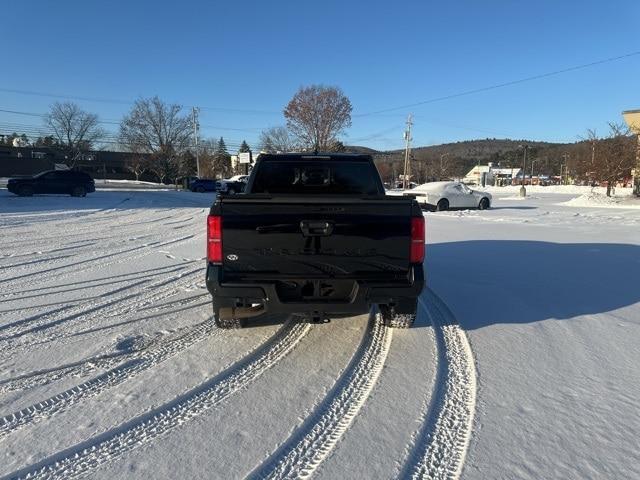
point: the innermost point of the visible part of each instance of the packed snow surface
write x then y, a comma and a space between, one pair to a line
522, 363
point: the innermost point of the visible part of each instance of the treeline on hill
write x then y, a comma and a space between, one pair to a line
454, 160
606, 159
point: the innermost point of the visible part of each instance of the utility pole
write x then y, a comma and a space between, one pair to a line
196, 126
407, 153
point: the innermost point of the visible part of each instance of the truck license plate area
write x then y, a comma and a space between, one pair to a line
316, 291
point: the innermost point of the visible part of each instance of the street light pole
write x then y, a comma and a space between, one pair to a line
523, 190
565, 156
442, 164
407, 153
532, 163
196, 125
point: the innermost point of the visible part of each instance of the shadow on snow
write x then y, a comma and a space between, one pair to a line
487, 282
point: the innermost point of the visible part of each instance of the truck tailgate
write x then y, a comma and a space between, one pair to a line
305, 238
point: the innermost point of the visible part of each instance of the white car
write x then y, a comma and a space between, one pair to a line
449, 195
234, 184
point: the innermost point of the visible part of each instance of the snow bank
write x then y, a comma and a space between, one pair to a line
596, 199
133, 182
513, 190
567, 189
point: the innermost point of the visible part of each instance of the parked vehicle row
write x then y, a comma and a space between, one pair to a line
69, 182
78, 184
233, 185
202, 185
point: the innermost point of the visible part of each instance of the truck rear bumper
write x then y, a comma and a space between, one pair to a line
363, 296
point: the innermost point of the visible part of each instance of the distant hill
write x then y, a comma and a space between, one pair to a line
360, 149
452, 160
479, 149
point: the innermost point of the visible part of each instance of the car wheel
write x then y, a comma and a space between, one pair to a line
25, 191
78, 192
442, 205
200, 189
484, 204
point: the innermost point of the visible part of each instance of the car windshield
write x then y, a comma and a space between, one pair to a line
317, 177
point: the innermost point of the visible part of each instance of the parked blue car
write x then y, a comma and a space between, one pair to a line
202, 185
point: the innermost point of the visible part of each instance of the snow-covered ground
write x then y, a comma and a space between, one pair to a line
109, 184
523, 362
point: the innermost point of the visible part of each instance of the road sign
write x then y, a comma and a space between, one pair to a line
244, 157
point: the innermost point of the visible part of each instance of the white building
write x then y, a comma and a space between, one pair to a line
490, 175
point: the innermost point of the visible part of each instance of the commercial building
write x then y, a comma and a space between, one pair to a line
32, 160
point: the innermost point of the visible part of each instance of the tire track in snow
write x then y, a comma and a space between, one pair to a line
439, 446
301, 455
87, 456
89, 283
138, 346
113, 248
142, 361
32, 237
91, 264
111, 301
39, 330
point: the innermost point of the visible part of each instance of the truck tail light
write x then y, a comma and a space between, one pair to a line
214, 239
417, 239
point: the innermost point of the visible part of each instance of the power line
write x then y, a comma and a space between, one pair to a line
115, 122
106, 139
127, 102
500, 85
377, 112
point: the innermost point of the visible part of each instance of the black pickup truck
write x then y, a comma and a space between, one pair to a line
314, 235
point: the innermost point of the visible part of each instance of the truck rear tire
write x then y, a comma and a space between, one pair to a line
224, 318
400, 315
226, 323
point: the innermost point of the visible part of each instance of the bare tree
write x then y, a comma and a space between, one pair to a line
317, 114
74, 130
138, 164
164, 167
158, 129
613, 156
276, 140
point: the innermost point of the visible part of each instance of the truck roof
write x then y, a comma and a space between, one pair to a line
358, 157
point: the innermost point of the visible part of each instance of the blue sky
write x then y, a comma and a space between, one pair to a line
242, 61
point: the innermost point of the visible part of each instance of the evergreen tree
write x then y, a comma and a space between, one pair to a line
221, 159
244, 147
221, 148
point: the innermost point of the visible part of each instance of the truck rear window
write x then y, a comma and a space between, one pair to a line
317, 177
